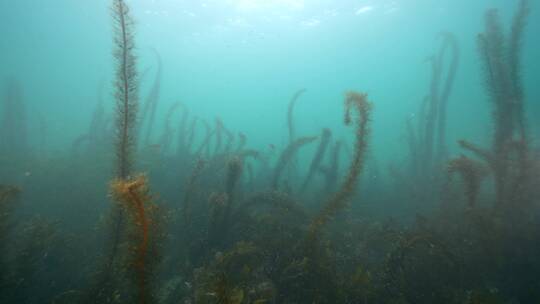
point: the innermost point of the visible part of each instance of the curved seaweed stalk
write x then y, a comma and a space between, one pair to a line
287, 155
359, 103
317, 159
134, 199
290, 110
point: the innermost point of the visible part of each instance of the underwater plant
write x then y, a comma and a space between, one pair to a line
290, 114
509, 155
190, 138
166, 136
472, 173
222, 211
241, 142
188, 193
218, 133
205, 144
181, 148
133, 197
7, 193
440, 95
317, 159
359, 103
287, 156
427, 140
126, 87
330, 171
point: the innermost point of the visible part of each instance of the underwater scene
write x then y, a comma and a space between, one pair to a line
269, 151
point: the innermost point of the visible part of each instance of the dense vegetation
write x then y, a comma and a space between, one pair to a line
192, 215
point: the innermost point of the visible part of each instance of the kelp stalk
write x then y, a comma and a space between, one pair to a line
126, 87
359, 103
134, 199
287, 155
317, 159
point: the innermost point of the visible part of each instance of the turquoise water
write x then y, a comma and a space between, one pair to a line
241, 61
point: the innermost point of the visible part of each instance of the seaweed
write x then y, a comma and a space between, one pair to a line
472, 174
290, 112
234, 172
427, 139
317, 159
7, 194
331, 171
126, 87
218, 133
182, 149
287, 155
126, 99
224, 203
189, 191
191, 134
230, 140
450, 44
411, 266
241, 142
438, 100
501, 61
243, 234
166, 137
133, 197
205, 144
353, 102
